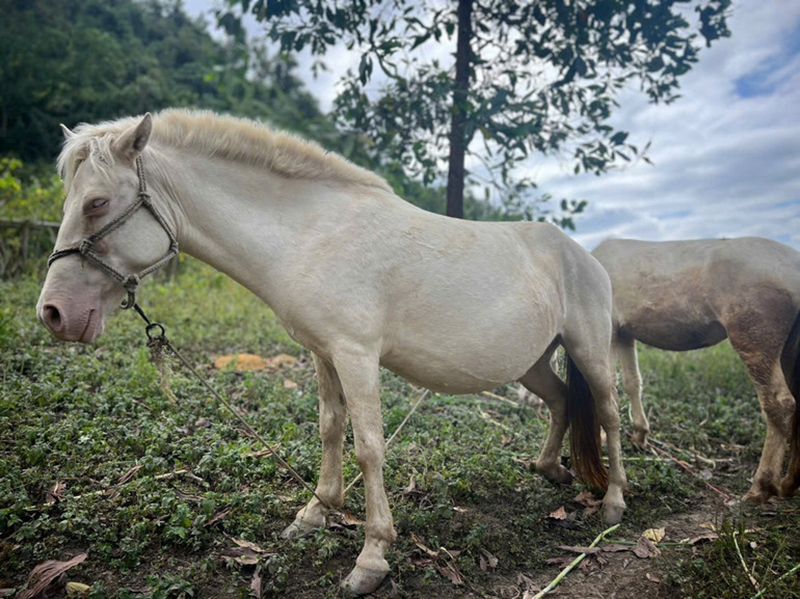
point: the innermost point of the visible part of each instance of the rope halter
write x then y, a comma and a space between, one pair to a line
86, 247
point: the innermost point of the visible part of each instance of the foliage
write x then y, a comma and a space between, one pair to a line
87, 415
77, 61
541, 77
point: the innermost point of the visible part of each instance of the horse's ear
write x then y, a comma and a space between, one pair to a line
67, 133
132, 142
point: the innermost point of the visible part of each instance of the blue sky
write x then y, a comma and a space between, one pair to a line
726, 155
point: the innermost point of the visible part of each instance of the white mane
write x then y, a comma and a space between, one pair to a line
205, 133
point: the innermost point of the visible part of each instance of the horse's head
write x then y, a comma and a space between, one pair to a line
106, 242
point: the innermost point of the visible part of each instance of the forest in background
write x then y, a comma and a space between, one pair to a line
73, 61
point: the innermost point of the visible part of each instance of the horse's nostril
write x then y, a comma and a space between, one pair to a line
52, 317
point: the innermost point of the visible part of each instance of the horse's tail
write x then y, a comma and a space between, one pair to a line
584, 429
790, 364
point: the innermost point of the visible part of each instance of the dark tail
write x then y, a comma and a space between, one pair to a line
790, 364
584, 429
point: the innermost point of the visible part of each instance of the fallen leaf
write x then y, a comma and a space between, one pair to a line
289, 384
56, 493
219, 515
655, 534
264, 452
243, 362
488, 561
652, 577
449, 571
709, 526
186, 496
419, 544
563, 560
129, 474
240, 555
412, 487
281, 361
255, 585
77, 589
460, 510
47, 573
615, 547
350, 520
559, 514
587, 499
645, 548
248, 545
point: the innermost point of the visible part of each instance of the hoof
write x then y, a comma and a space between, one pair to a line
788, 487
613, 513
557, 475
756, 497
362, 581
639, 439
297, 529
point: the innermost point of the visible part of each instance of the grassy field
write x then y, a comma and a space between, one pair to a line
76, 420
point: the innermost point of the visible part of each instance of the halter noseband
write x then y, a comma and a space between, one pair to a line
86, 247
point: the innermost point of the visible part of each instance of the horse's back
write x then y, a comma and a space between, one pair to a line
676, 294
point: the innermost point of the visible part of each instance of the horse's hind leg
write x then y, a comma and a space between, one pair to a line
758, 339
591, 355
332, 422
544, 382
632, 383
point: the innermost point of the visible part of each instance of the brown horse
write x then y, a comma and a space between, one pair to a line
682, 295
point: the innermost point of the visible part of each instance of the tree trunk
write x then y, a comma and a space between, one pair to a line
458, 142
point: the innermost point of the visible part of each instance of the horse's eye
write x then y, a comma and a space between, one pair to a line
96, 207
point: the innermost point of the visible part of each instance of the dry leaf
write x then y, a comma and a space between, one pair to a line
562, 561
654, 534
46, 573
219, 515
248, 545
289, 384
350, 519
255, 585
243, 362
587, 499
129, 474
645, 548
460, 510
614, 547
240, 555
282, 361
491, 560
77, 589
411, 488
449, 571
419, 544
559, 514
708, 526
264, 452
186, 496
56, 493
652, 577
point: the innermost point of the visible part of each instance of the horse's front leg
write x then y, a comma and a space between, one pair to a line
332, 421
359, 373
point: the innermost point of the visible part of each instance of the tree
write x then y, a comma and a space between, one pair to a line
529, 76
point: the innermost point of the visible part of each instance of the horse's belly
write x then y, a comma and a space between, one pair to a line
467, 364
674, 335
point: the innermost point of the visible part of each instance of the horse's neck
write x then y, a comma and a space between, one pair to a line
238, 219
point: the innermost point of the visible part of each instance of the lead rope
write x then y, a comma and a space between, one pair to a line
157, 342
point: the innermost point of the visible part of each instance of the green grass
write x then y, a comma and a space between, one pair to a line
86, 415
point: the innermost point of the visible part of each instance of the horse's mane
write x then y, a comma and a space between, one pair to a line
230, 138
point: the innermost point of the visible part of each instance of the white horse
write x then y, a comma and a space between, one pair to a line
682, 295
356, 275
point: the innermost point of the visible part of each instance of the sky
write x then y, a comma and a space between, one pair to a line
726, 155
